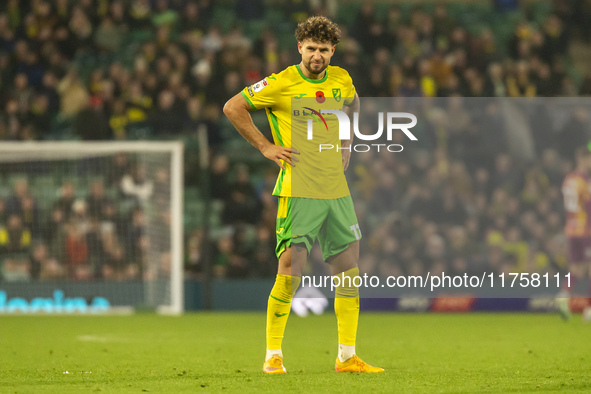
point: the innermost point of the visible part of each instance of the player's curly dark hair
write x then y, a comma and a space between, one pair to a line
318, 29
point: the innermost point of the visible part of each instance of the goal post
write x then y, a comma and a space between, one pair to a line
91, 226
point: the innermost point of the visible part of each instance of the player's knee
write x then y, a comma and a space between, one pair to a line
292, 261
285, 264
346, 260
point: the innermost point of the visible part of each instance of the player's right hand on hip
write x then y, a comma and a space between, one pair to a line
279, 153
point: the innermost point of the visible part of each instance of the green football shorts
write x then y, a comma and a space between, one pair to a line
302, 220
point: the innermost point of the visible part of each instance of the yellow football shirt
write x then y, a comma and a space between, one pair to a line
290, 95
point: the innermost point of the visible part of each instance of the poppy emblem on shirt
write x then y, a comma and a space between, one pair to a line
320, 96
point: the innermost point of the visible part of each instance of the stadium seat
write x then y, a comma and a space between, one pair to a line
12, 179
5, 191
223, 19
273, 14
254, 28
192, 194
139, 131
381, 10
347, 12
540, 10
44, 183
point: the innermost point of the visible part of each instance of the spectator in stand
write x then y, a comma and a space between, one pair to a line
40, 117
575, 133
97, 200
119, 167
66, 200
15, 269
168, 118
55, 233
52, 270
263, 260
116, 266
135, 234
30, 216
14, 203
242, 204
505, 175
77, 254
73, 95
227, 261
193, 258
90, 124
108, 36
3, 214
220, 187
38, 259
136, 185
14, 238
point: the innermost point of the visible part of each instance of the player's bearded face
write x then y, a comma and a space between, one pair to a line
316, 56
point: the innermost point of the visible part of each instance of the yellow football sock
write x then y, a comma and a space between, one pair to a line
346, 307
278, 308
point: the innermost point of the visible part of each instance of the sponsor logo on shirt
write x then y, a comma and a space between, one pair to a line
257, 87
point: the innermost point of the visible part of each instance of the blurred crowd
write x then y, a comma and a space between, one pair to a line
162, 69
463, 203
86, 225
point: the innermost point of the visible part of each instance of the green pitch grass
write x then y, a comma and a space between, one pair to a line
224, 352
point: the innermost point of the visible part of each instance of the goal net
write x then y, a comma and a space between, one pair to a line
91, 227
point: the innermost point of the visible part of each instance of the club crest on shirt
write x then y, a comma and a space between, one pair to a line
337, 94
257, 87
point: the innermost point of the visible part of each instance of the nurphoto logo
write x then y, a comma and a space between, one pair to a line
392, 119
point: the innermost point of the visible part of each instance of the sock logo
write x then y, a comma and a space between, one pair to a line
280, 314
